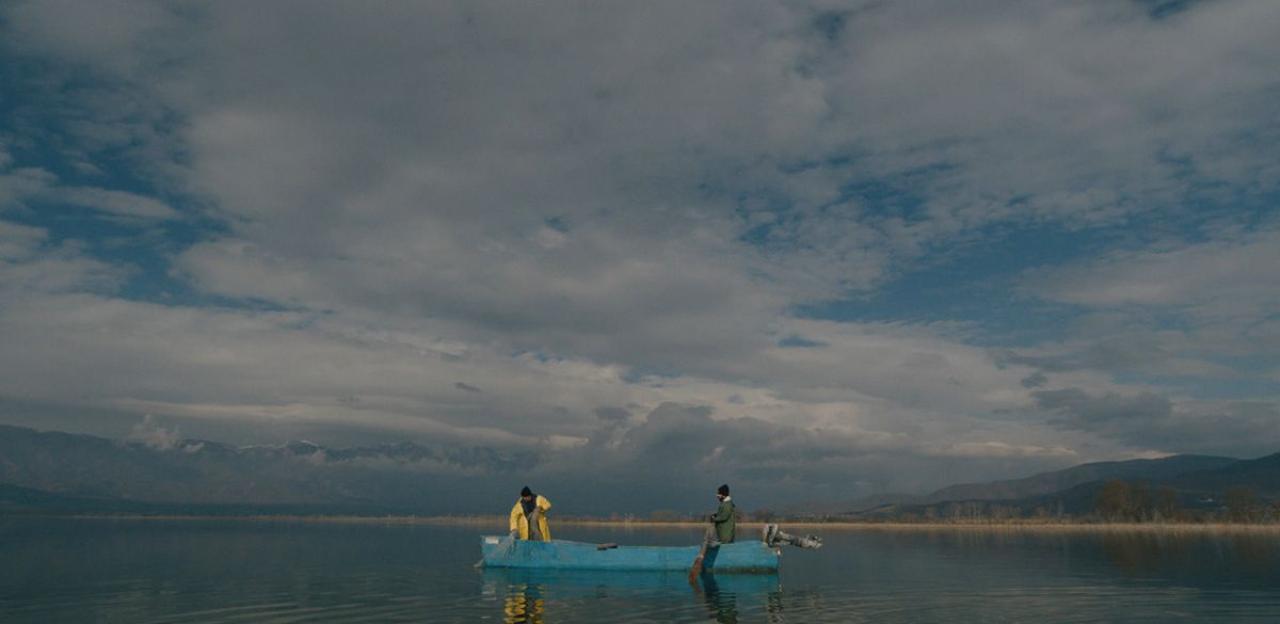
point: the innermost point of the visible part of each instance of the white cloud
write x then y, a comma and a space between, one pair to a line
21, 186
17, 185
1229, 273
118, 203
1196, 311
995, 448
28, 265
19, 241
153, 434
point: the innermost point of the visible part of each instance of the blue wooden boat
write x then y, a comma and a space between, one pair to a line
748, 556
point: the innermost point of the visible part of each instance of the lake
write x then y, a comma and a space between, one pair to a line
101, 570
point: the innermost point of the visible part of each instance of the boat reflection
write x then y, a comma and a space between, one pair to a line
523, 605
530, 595
722, 603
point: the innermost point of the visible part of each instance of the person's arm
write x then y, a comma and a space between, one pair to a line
544, 504
723, 513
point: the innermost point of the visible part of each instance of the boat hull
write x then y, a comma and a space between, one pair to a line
564, 555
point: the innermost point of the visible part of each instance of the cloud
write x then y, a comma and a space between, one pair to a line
684, 452
974, 102
19, 184
19, 241
988, 115
285, 371
30, 264
1194, 315
1034, 380
111, 35
150, 433
1230, 273
21, 187
117, 203
610, 219
1002, 449
1239, 428
1099, 412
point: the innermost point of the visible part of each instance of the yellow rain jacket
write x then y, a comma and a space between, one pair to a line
520, 523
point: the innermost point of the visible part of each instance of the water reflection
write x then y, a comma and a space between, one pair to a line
1139, 554
721, 605
1168, 554
523, 604
531, 596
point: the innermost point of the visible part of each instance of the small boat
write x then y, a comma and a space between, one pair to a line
501, 552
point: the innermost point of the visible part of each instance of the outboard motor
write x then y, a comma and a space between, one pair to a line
773, 536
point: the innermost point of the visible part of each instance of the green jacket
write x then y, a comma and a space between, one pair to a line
725, 522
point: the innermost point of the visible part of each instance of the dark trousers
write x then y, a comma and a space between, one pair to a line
535, 530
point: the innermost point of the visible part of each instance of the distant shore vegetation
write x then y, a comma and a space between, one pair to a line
1118, 505
496, 523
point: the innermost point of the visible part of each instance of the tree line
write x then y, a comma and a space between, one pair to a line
1137, 501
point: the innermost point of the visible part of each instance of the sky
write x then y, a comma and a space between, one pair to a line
814, 249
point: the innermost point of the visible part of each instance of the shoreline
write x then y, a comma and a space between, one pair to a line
497, 521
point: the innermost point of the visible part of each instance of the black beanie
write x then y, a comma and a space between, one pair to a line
525, 491
723, 490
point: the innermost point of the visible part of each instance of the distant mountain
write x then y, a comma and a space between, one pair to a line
70, 473
1197, 482
1026, 489
16, 500
62, 470
1060, 480
1262, 475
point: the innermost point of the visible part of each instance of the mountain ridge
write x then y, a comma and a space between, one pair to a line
405, 476
59, 471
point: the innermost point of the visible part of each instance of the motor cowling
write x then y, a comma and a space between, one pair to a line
774, 536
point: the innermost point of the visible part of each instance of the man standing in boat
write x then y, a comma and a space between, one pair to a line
724, 524
528, 517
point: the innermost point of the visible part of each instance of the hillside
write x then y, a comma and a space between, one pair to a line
1203, 489
1262, 475
1060, 480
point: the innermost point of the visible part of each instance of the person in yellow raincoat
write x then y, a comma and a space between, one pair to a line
529, 516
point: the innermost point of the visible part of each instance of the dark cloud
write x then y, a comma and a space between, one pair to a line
612, 414
466, 386
1084, 411
679, 453
1235, 428
1116, 353
1034, 380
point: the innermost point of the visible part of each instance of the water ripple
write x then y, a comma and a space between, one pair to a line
238, 573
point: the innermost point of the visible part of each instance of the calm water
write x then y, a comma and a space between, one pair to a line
122, 571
